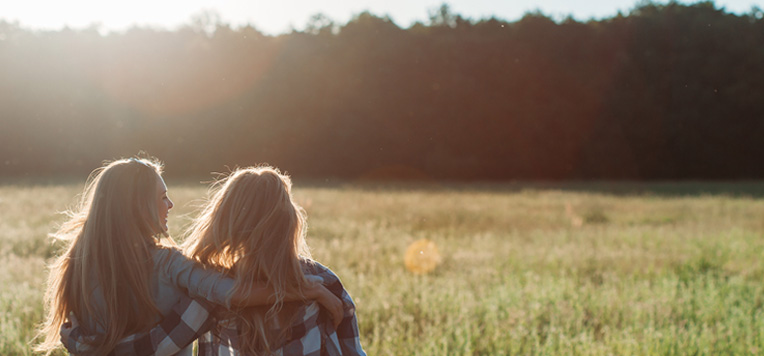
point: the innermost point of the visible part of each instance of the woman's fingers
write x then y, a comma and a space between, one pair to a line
67, 327
316, 290
333, 305
73, 320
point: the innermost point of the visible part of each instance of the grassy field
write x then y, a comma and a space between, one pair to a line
579, 269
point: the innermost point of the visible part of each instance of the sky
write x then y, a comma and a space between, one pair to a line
280, 16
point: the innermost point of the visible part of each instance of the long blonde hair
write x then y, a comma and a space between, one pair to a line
253, 229
110, 236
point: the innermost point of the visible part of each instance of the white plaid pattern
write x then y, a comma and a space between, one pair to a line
315, 333
188, 319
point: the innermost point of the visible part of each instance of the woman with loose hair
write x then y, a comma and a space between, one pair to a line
253, 230
118, 279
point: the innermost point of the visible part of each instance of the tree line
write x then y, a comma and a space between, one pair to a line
666, 91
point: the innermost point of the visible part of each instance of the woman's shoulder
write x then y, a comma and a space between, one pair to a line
315, 268
167, 258
160, 253
311, 266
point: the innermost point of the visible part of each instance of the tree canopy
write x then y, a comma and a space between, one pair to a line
667, 91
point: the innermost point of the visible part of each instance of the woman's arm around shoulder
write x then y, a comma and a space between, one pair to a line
207, 283
175, 268
347, 331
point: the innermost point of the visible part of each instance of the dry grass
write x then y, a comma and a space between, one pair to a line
535, 270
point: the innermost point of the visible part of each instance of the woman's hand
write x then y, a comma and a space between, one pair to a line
66, 329
314, 290
323, 296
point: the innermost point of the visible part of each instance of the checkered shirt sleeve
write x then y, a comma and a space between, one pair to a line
346, 334
312, 335
187, 321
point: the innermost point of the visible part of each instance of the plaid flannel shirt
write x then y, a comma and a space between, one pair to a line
187, 321
313, 334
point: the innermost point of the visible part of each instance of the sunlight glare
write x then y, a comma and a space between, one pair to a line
112, 15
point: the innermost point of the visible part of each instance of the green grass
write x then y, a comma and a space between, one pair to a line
664, 269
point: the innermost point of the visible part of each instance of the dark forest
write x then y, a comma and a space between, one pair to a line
665, 92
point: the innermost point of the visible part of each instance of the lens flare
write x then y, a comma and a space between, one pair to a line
422, 257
